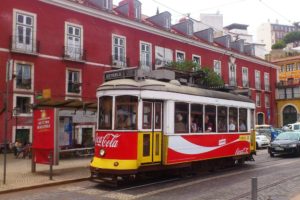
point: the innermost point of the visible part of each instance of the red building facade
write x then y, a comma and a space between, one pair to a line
66, 45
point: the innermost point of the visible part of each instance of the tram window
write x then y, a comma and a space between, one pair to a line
242, 120
252, 119
126, 113
105, 113
196, 118
158, 113
222, 119
232, 119
147, 115
181, 117
210, 118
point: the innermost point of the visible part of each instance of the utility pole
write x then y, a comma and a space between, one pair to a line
6, 100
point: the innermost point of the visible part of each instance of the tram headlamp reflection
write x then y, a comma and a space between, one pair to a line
102, 152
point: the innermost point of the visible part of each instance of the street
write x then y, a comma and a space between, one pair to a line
278, 178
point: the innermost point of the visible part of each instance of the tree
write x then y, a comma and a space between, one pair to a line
210, 78
280, 44
292, 37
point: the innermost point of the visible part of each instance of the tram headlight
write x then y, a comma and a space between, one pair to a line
102, 152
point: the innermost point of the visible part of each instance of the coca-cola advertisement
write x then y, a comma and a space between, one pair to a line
118, 145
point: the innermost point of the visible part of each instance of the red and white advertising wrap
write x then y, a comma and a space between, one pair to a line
44, 142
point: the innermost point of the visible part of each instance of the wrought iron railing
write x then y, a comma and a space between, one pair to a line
119, 61
23, 83
76, 53
24, 44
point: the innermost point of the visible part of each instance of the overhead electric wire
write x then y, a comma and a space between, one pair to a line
275, 11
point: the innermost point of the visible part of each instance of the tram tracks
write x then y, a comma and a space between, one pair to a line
265, 187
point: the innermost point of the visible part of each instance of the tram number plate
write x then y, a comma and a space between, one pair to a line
279, 149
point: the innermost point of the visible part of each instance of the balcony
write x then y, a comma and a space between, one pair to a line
23, 84
145, 65
74, 53
74, 87
119, 62
288, 83
232, 82
26, 45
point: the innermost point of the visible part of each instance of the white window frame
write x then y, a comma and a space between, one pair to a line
143, 64
16, 62
245, 77
80, 81
199, 58
15, 104
14, 30
73, 55
180, 52
218, 67
231, 78
267, 103
119, 61
258, 97
267, 81
21, 127
257, 80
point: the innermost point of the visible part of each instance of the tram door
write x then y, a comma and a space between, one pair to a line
150, 140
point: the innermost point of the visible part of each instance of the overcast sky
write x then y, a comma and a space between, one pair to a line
250, 12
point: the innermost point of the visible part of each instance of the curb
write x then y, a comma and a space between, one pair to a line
44, 185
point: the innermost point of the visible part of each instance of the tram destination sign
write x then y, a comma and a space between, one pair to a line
119, 74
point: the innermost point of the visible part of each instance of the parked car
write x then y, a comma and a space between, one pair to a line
261, 141
285, 143
294, 126
267, 130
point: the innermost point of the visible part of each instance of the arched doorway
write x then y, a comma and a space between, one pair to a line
260, 118
289, 115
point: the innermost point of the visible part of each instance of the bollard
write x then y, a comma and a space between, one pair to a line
254, 188
51, 166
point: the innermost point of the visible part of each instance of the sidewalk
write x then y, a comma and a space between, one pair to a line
19, 175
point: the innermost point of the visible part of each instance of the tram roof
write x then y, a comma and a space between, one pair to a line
155, 85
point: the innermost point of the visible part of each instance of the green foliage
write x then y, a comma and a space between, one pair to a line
187, 65
280, 44
211, 79
292, 37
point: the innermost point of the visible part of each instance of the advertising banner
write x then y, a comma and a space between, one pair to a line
44, 139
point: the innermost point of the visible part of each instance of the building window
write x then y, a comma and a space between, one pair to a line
163, 56
197, 60
73, 81
180, 56
23, 104
245, 77
168, 22
257, 80
119, 50
217, 67
24, 31
232, 74
267, 82
23, 76
73, 45
267, 101
189, 29
145, 56
282, 68
137, 11
258, 102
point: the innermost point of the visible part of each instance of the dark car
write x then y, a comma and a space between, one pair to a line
285, 143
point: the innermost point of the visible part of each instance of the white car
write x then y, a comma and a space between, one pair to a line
262, 141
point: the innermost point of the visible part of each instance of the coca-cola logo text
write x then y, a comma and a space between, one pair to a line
108, 140
241, 151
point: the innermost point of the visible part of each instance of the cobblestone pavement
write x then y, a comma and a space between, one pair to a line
19, 175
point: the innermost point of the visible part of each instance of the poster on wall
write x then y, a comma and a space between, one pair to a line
65, 131
162, 56
44, 138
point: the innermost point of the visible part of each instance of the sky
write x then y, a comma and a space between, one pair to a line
250, 12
